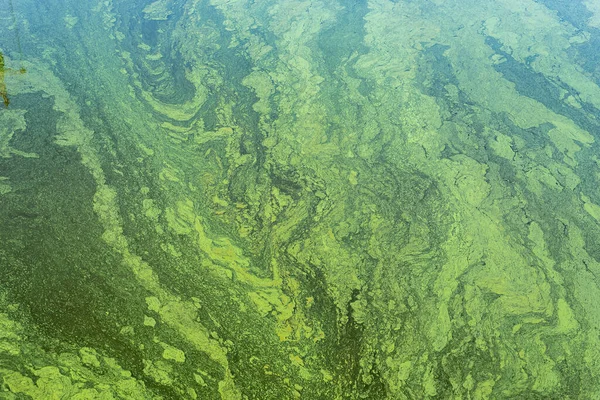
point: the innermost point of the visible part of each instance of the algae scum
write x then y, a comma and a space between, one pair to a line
280, 199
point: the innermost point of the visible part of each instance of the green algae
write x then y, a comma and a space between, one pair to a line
301, 200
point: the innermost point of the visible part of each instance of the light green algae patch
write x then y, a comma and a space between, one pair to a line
172, 353
4, 185
83, 375
11, 123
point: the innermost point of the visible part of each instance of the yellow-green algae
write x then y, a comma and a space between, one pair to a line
304, 199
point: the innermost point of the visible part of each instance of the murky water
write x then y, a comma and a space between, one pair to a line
239, 199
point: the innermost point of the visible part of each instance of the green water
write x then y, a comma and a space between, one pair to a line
240, 199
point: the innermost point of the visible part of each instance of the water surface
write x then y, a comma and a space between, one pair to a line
239, 199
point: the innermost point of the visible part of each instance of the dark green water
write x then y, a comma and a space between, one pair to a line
373, 199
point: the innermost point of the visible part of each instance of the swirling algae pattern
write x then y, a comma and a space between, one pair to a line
239, 199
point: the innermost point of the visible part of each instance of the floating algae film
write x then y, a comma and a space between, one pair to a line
300, 199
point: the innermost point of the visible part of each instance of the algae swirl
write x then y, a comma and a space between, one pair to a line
239, 199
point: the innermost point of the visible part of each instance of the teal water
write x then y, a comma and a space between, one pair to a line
238, 199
